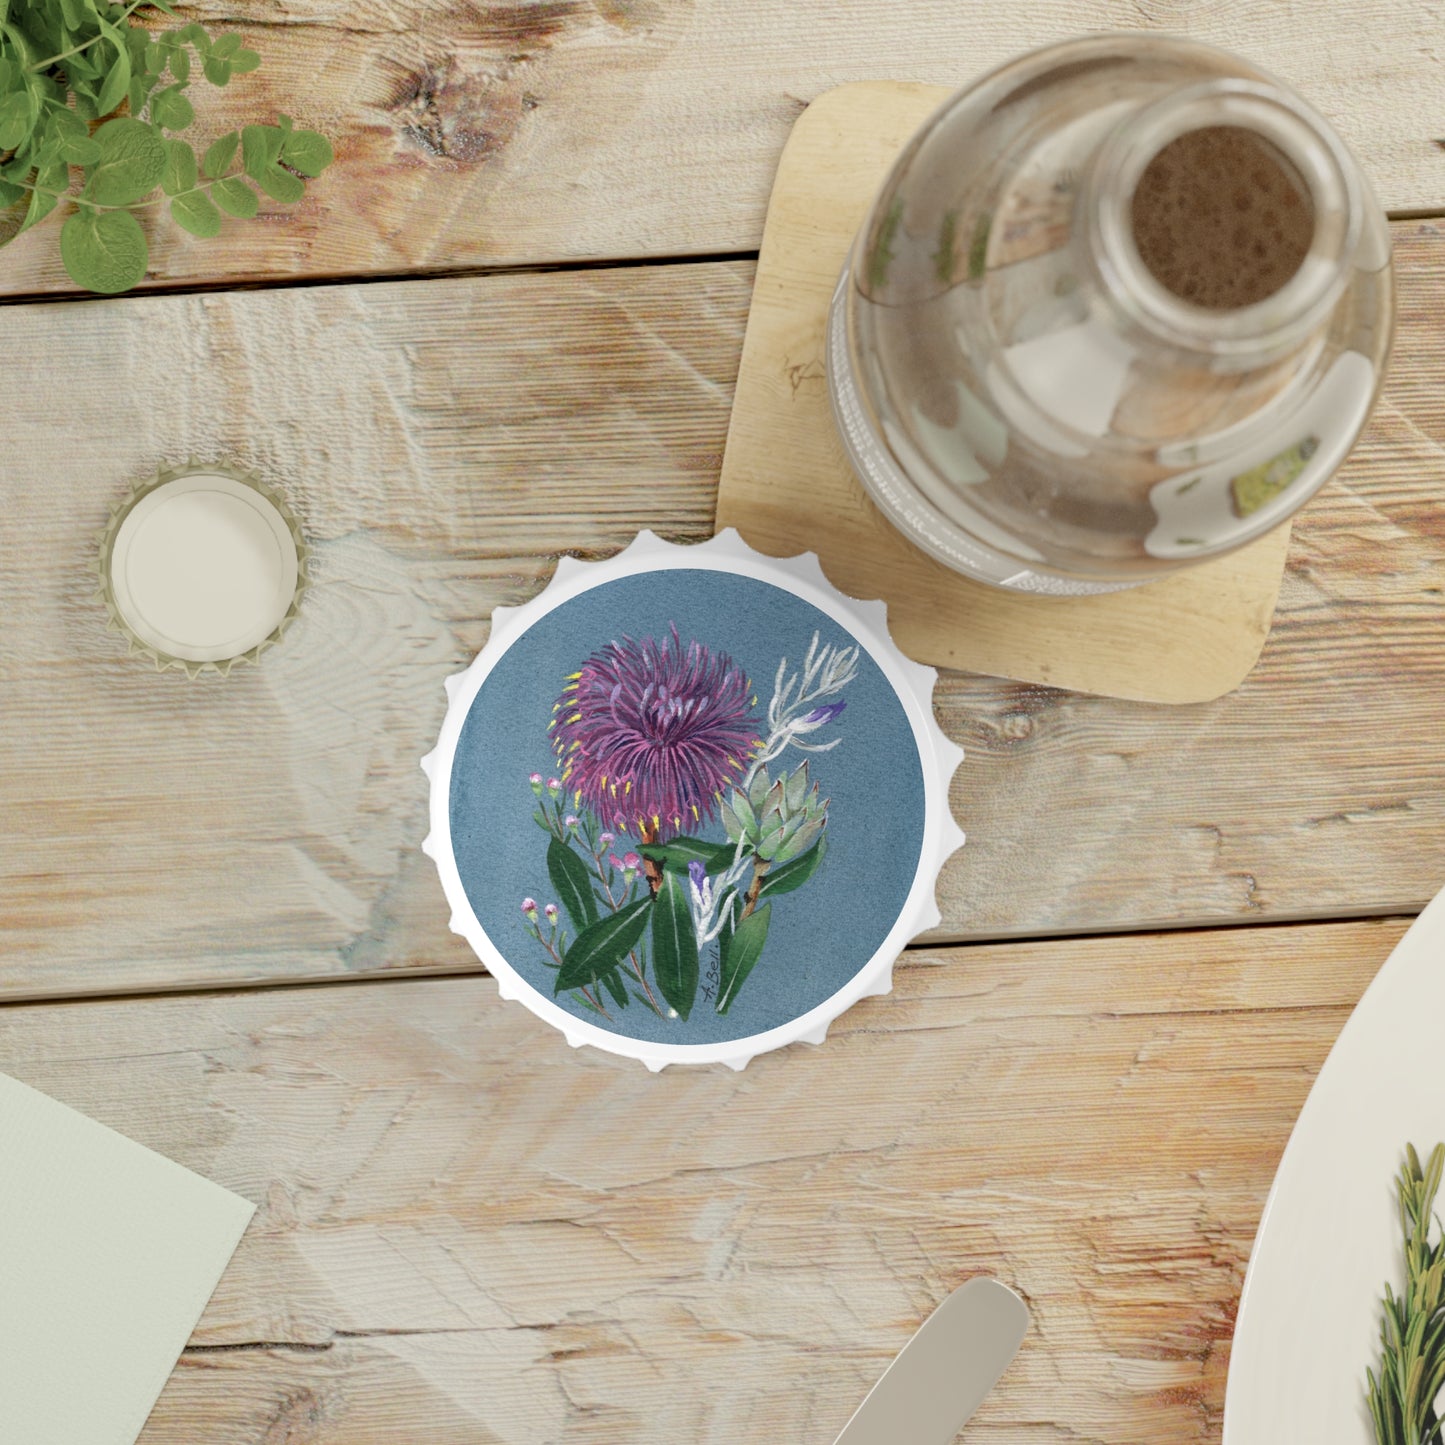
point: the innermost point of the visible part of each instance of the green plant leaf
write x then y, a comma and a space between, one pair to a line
742, 947
104, 251
180, 171
218, 72
171, 109
220, 153
117, 80
195, 213
236, 198
180, 63
674, 945
260, 149
308, 151
243, 62
280, 184
79, 150
16, 119
132, 161
788, 876
226, 46
602, 946
677, 853
573, 881
49, 181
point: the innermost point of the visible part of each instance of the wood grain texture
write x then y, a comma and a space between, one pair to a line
1190, 637
468, 1232
481, 132
443, 441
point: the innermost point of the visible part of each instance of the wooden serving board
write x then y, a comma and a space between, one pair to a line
787, 486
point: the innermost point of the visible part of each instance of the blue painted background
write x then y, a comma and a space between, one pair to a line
821, 934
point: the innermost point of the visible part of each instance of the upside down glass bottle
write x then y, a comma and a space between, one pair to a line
1122, 305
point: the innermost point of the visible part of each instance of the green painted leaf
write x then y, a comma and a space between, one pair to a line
572, 880
103, 251
674, 945
220, 153
195, 213
308, 150
741, 950
602, 946
132, 161
236, 198
788, 876
280, 184
615, 987
180, 171
677, 853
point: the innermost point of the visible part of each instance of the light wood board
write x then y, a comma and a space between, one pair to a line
443, 441
470, 1233
495, 132
788, 486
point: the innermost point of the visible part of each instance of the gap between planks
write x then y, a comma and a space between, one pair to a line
1387, 913
465, 273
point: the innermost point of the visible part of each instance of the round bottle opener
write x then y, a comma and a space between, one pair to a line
689, 804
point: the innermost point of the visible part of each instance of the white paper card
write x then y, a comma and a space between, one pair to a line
108, 1254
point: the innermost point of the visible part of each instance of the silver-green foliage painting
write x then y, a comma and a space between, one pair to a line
92, 103
658, 740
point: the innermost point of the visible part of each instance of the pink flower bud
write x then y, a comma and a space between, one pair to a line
529, 907
551, 911
554, 786
606, 838
632, 861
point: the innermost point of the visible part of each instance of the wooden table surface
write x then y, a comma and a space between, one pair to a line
505, 327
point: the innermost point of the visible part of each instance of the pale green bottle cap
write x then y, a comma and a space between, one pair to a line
202, 567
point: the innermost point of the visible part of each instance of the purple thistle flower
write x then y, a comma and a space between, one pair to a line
825, 714
651, 733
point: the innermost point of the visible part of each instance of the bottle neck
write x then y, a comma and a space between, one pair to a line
1246, 336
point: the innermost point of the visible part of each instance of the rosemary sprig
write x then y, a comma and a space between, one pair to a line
1412, 1332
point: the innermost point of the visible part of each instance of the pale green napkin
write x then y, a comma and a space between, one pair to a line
108, 1254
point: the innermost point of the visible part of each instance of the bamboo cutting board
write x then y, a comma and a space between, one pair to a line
787, 487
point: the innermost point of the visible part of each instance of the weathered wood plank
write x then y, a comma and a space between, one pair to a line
507, 131
469, 1232
443, 441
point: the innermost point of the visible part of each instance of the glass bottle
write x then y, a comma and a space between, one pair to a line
1122, 305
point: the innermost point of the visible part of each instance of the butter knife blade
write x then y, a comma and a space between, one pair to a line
942, 1374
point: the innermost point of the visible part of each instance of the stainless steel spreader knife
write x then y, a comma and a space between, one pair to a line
942, 1374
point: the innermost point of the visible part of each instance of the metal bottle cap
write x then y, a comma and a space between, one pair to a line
201, 567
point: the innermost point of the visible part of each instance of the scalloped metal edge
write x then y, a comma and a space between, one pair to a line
105, 540
940, 758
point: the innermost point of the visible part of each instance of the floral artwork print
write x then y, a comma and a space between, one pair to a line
656, 746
